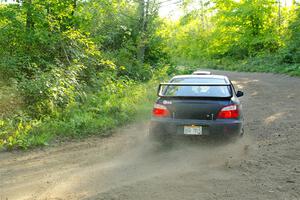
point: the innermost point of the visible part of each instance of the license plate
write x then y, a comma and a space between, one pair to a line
193, 130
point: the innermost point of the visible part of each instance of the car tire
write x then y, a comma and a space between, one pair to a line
160, 137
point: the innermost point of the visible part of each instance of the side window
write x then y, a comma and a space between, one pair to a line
232, 87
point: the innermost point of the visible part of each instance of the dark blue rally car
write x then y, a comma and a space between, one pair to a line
197, 105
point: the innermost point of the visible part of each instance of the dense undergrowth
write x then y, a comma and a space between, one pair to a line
119, 102
69, 68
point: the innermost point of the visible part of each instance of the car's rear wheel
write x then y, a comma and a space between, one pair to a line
160, 137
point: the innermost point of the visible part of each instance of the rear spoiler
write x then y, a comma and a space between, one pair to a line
159, 92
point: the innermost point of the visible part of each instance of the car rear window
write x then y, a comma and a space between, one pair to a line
198, 91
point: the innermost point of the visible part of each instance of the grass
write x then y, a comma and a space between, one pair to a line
10, 100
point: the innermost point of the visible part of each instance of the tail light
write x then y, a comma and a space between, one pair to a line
229, 112
160, 111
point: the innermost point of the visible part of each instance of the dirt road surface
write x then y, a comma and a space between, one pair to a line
262, 165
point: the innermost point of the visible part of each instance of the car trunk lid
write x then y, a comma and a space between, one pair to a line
201, 109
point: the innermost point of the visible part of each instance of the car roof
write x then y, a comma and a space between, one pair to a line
225, 78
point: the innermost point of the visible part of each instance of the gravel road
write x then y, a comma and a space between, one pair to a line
263, 165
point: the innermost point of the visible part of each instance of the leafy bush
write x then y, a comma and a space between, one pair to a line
116, 102
46, 93
292, 51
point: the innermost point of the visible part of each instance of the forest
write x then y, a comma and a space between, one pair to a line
74, 68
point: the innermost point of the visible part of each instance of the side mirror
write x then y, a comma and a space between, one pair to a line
239, 93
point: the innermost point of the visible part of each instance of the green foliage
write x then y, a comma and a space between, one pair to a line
246, 28
259, 34
116, 103
76, 66
292, 51
52, 91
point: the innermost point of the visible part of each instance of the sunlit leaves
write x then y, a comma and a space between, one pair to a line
229, 28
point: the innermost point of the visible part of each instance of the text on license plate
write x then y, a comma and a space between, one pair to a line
193, 130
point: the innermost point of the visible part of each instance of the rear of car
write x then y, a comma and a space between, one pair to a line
201, 105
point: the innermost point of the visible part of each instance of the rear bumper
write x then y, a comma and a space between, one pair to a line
217, 127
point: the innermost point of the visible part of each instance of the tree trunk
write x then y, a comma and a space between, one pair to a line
143, 21
72, 20
279, 14
74, 7
202, 15
29, 21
